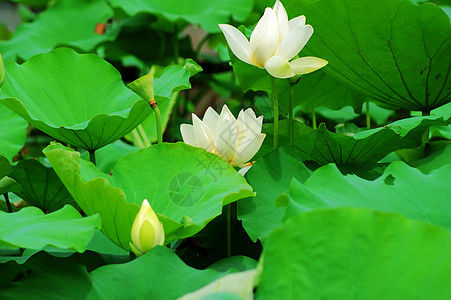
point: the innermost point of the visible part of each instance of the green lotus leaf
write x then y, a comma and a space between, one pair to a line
401, 189
12, 132
31, 228
5, 167
395, 52
370, 146
269, 177
8, 185
76, 98
70, 22
41, 187
349, 253
205, 13
2, 71
186, 186
160, 266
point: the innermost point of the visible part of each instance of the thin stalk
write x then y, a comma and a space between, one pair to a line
368, 117
92, 156
275, 102
290, 115
199, 46
137, 140
229, 229
8, 204
314, 120
155, 108
144, 138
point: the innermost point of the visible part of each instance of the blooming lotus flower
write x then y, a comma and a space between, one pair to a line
274, 42
234, 140
147, 230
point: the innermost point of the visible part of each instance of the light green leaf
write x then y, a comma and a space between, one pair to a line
400, 189
186, 186
395, 52
12, 132
5, 167
269, 177
205, 13
369, 146
31, 228
41, 187
78, 99
349, 253
69, 22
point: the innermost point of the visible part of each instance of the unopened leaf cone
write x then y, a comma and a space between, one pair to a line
274, 42
147, 230
234, 140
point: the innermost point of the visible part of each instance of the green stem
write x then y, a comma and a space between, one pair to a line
229, 229
155, 108
92, 156
137, 140
314, 119
8, 204
368, 117
275, 102
290, 115
145, 140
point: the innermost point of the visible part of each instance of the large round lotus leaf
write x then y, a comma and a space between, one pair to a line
269, 176
370, 146
186, 187
158, 275
70, 22
41, 187
206, 13
349, 253
401, 189
31, 228
76, 98
12, 132
395, 52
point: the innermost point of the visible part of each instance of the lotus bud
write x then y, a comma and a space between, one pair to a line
147, 230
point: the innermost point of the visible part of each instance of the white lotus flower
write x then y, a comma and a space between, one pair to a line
274, 42
147, 230
234, 140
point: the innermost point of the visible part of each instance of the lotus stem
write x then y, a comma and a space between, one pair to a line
290, 115
142, 133
314, 119
229, 229
8, 204
275, 102
368, 116
92, 156
155, 108
137, 140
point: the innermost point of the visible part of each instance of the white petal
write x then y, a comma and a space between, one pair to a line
211, 120
295, 40
265, 38
188, 134
202, 134
238, 43
279, 67
296, 22
251, 124
282, 17
226, 142
244, 170
305, 65
247, 149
